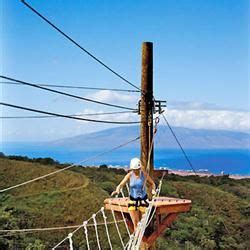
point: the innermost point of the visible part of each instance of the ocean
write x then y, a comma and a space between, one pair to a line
228, 161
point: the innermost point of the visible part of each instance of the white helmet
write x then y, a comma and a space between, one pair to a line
135, 163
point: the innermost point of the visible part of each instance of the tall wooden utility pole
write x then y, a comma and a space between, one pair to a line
146, 111
146, 106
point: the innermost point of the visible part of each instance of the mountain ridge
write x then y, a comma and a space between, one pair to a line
190, 138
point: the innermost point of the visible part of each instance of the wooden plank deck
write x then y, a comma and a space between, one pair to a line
162, 204
166, 211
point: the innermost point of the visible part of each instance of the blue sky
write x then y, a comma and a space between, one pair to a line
200, 60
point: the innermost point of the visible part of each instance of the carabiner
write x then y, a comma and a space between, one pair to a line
157, 120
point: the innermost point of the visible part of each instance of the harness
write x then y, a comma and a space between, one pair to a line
138, 202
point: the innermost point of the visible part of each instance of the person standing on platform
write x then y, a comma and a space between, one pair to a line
138, 199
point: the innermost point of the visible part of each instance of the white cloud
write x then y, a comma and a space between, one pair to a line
184, 114
190, 118
128, 100
184, 105
210, 119
114, 97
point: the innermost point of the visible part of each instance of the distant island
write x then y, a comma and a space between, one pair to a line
190, 138
215, 150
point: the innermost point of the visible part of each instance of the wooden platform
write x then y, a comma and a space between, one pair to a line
166, 212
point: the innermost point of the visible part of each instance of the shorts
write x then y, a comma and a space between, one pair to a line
137, 204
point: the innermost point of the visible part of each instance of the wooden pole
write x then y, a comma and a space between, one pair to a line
146, 109
147, 106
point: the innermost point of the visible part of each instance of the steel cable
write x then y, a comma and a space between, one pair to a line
75, 87
65, 116
79, 46
65, 93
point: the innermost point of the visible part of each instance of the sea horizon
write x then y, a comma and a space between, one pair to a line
215, 161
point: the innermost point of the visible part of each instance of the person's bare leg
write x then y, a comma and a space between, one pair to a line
140, 214
135, 218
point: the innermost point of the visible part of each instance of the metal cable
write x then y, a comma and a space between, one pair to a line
177, 140
70, 166
65, 93
79, 46
65, 116
76, 87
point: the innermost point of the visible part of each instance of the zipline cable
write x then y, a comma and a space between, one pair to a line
76, 87
70, 166
64, 116
65, 93
177, 140
52, 116
79, 46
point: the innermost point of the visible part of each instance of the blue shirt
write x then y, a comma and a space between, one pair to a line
137, 186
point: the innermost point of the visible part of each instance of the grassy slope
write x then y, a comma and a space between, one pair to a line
218, 218
66, 198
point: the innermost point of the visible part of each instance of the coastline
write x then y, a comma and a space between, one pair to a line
200, 173
207, 174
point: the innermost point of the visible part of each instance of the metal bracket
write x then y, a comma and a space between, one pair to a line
158, 106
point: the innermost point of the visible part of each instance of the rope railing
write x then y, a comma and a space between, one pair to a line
117, 228
86, 233
96, 231
85, 226
38, 229
123, 217
70, 241
106, 227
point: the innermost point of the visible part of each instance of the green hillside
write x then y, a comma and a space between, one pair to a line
218, 220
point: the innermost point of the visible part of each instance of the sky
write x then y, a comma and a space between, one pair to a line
201, 62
